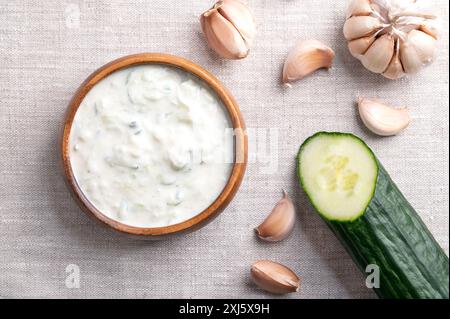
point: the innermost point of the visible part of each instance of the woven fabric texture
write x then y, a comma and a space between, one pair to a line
48, 48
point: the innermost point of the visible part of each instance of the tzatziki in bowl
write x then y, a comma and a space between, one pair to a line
153, 145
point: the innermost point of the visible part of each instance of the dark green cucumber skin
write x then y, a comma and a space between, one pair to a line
391, 235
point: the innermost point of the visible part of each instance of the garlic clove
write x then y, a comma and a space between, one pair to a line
359, 46
409, 58
359, 8
361, 26
382, 119
280, 222
430, 27
379, 55
307, 57
395, 69
417, 50
379, 11
221, 35
274, 277
240, 16
416, 9
425, 45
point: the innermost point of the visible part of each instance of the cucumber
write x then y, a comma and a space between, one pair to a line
354, 194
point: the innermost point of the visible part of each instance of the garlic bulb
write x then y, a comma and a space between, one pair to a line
229, 29
382, 119
305, 58
391, 37
280, 222
274, 277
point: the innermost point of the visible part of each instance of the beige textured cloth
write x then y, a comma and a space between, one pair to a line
48, 48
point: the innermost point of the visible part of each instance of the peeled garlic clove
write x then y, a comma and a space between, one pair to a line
280, 222
240, 16
274, 277
361, 26
382, 119
395, 69
359, 46
379, 55
307, 57
359, 8
229, 29
417, 50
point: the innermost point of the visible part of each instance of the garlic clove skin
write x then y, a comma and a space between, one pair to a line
241, 17
379, 10
410, 59
395, 69
360, 26
430, 27
221, 25
381, 119
359, 46
418, 50
274, 277
359, 8
280, 222
424, 44
379, 55
307, 57
222, 36
416, 8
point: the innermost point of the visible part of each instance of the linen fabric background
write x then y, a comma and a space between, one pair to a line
48, 48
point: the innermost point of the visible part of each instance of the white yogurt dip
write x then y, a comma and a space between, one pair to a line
151, 146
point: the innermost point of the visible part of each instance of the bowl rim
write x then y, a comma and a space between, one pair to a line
240, 145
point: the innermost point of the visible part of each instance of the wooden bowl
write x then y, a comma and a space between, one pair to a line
240, 146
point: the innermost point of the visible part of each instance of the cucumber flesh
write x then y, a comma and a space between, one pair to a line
339, 173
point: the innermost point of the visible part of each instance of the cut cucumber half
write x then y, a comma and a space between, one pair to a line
361, 204
339, 173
